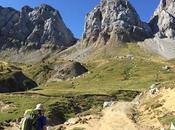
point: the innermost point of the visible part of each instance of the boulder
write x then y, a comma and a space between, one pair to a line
108, 104
154, 89
166, 68
72, 121
172, 127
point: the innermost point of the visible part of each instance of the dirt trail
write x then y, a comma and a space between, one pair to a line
13, 126
116, 117
148, 108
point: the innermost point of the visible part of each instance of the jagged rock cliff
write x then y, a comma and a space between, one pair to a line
162, 24
33, 28
114, 20
163, 20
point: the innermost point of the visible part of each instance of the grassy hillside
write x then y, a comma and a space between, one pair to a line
121, 68
114, 72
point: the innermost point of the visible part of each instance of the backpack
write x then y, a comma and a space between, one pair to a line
30, 120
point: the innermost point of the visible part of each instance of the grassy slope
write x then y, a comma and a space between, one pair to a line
106, 73
21, 103
105, 77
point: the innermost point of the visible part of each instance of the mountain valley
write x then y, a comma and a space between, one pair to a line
119, 59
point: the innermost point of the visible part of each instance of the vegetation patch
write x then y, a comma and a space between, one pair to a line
167, 119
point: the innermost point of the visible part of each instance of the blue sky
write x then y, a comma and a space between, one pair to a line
74, 11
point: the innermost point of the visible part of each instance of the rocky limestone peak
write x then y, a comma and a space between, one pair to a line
33, 28
114, 20
163, 20
26, 9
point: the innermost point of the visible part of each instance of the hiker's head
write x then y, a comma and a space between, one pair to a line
40, 109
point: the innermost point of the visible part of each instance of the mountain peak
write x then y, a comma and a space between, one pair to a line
46, 8
33, 28
163, 20
114, 20
26, 9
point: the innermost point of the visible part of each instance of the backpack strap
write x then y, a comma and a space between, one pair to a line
35, 122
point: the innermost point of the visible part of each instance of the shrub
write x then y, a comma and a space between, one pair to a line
127, 71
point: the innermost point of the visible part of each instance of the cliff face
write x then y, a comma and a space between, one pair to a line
115, 20
33, 28
163, 20
162, 24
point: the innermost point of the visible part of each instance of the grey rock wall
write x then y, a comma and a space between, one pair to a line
33, 28
163, 20
115, 20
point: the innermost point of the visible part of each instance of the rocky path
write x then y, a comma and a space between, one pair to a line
116, 117
13, 126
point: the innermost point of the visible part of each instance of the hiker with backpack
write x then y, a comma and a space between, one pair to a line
34, 119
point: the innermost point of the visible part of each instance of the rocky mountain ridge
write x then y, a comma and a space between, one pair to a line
115, 20
112, 21
163, 20
163, 25
33, 28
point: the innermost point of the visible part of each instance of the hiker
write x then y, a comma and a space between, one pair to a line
41, 118
34, 119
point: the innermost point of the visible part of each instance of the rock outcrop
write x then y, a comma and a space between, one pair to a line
15, 81
59, 71
69, 71
33, 28
162, 24
163, 20
114, 20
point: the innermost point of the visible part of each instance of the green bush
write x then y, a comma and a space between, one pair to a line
127, 70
